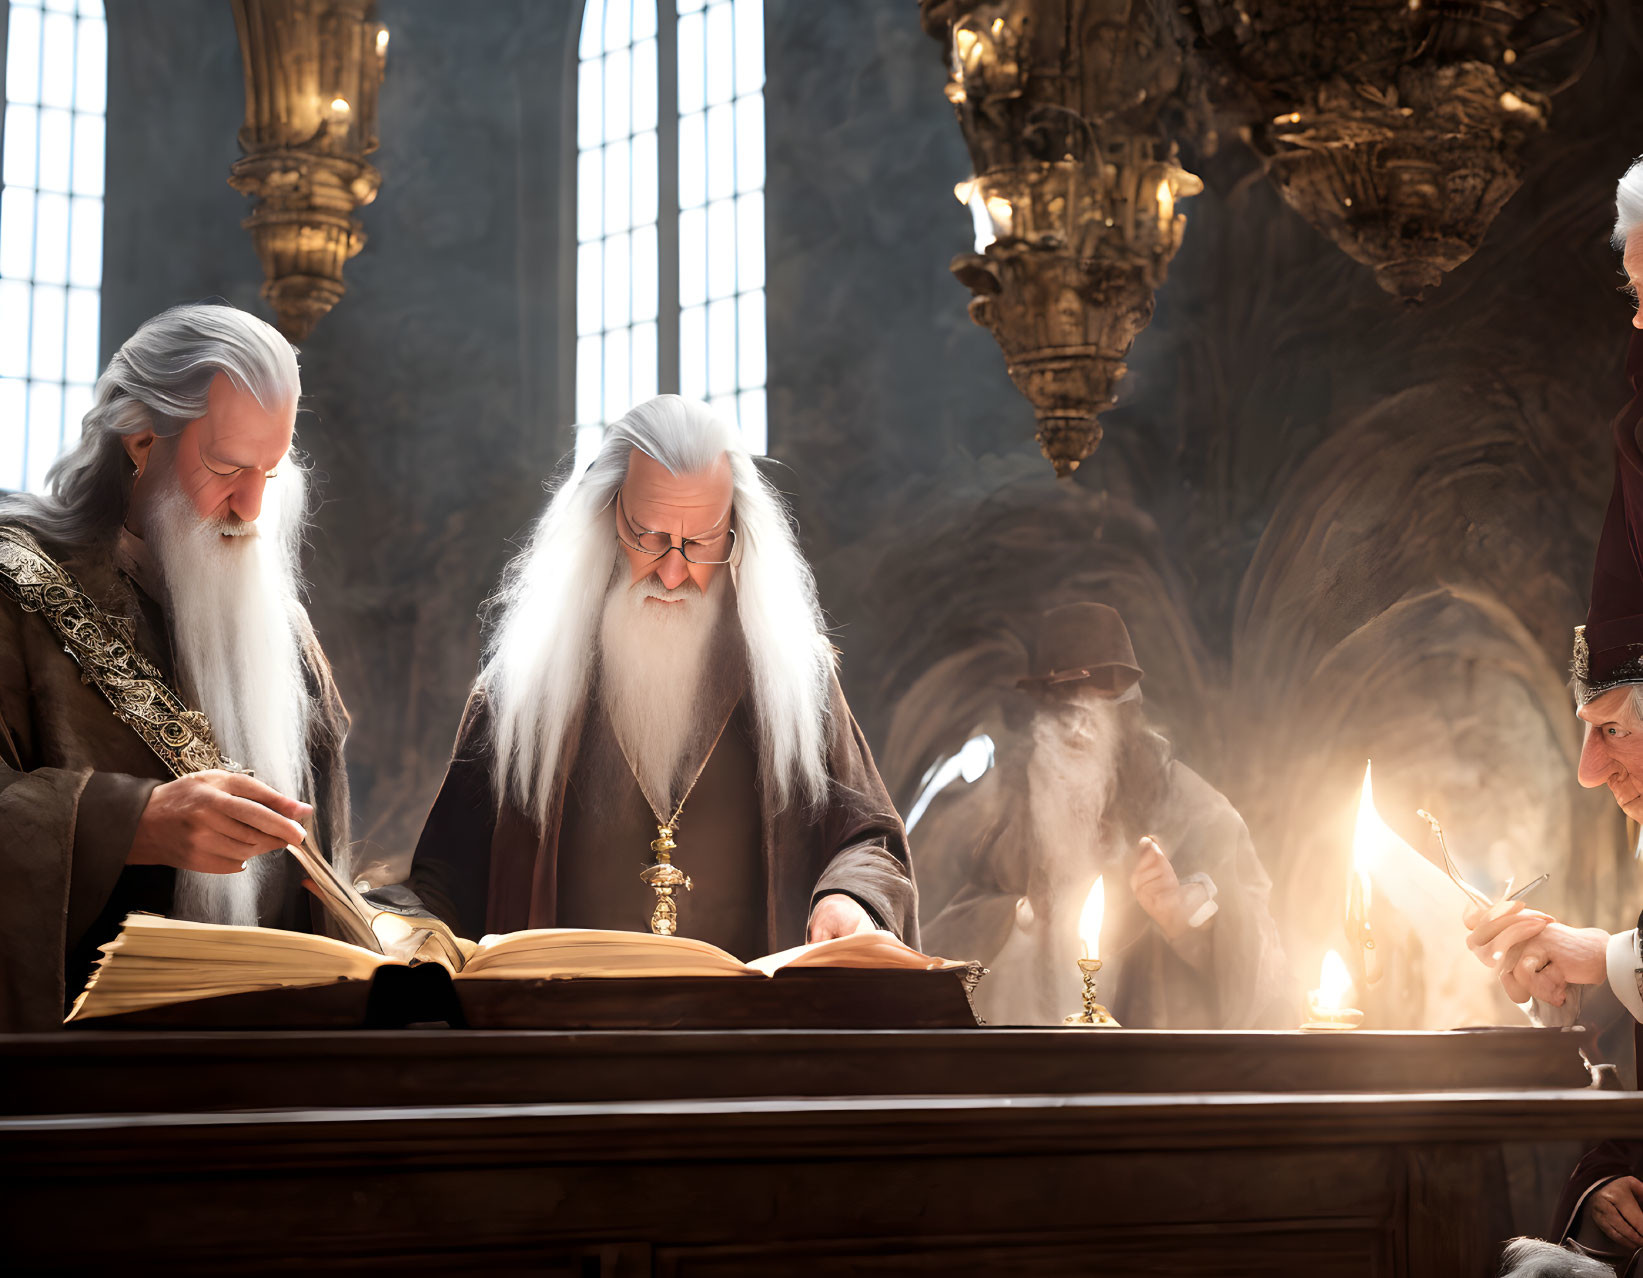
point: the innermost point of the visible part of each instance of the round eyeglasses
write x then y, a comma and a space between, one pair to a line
714, 549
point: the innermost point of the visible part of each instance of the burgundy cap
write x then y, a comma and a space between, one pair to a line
1609, 647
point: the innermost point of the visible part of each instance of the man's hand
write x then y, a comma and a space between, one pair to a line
1614, 1209
214, 822
1504, 925
1169, 903
838, 915
1533, 954
1558, 958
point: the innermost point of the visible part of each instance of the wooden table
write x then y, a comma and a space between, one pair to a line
998, 1152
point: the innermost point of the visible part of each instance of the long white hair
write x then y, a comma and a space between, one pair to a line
159, 380
1628, 204
540, 656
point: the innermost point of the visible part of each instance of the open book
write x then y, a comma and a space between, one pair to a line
158, 961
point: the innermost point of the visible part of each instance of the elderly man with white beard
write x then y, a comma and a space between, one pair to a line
1085, 788
658, 684
164, 554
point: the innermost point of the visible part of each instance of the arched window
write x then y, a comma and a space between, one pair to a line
670, 210
51, 230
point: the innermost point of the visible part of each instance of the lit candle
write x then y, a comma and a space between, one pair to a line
1326, 1006
1089, 934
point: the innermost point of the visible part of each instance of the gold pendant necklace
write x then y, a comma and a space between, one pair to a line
661, 875
665, 879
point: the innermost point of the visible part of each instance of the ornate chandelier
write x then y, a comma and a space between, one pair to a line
1396, 127
1062, 104
312, 72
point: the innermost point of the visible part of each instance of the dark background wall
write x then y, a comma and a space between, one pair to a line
1338, 527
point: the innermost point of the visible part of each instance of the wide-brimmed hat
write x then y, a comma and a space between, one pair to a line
1608, 649
1083, 643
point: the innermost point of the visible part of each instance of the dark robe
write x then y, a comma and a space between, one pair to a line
73, 782
1608, 1161
484, 865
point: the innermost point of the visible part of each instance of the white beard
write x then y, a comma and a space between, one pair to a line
1071, 776
1071, 780
237, 629
654, 657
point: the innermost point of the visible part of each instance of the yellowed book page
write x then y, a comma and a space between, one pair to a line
566, 953
155, 961
342, 901
94, 1003
421, 940
859, 949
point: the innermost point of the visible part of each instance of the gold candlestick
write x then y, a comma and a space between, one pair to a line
1093, 1014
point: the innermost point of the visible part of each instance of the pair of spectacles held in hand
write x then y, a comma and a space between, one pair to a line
1478, 897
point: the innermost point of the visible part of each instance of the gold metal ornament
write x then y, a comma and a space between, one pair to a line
664, 878
312, 72
1398, 128
1076, 192
1094, 1014
138, 694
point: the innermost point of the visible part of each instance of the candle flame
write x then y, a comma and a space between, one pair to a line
1423, 899
1334, 983
382, 40
1372, 836
1166, 201
1089, 922
340, 106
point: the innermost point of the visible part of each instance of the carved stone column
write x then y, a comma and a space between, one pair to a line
312, 71
1062, 104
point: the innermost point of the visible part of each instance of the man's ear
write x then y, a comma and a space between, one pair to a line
138, 447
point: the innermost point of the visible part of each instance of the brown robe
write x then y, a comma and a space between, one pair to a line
73, 782
483, 865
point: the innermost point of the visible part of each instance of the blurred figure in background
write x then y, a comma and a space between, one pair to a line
1084, 788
